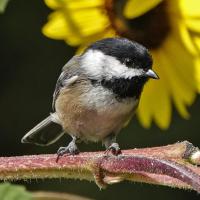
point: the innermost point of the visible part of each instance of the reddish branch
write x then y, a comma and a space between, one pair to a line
173, 165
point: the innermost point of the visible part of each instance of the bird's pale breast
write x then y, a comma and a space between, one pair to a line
94, 113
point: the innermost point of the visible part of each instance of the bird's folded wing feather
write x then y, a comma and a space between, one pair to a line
70, 74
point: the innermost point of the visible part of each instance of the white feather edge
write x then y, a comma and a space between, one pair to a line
71, 80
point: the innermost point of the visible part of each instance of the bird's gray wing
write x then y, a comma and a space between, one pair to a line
74, 61
49, 131
70, 73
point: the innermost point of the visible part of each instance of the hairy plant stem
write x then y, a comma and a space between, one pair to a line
170, 165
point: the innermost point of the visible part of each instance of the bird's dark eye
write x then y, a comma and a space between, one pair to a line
128, 62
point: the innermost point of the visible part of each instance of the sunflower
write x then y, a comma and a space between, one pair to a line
169, 28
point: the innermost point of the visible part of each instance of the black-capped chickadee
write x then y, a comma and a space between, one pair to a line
96, 94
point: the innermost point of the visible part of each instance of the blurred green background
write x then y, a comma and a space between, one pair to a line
29, 67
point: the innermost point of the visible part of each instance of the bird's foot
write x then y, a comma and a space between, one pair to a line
114, 149
71, 149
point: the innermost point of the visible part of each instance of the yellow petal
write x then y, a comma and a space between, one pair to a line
183, 34
182, 63
83, 4
198, 73
177, 71
155, 101
136, 8
53, 4
73, 4
193, 24
180, 73
190, 8
187, 39
196, 39
59, 28
144, 111
76, 21
90, 21
88, 40
56, 27
176, 85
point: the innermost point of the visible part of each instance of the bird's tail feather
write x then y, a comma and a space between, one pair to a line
44, 134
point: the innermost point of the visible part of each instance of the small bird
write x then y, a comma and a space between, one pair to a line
96, 94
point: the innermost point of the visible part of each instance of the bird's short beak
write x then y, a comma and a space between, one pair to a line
151, 74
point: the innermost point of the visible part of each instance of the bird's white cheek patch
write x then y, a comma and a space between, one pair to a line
99, 65
93, 62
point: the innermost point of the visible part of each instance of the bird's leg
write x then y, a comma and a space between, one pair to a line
111, 144
71, 149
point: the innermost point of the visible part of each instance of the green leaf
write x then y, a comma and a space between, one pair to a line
13, 192
3, 4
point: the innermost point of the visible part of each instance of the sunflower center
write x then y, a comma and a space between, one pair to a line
150, 29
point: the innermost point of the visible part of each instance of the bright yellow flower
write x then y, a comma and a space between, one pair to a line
169, 28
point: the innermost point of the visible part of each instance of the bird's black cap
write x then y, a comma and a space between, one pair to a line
126, 51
